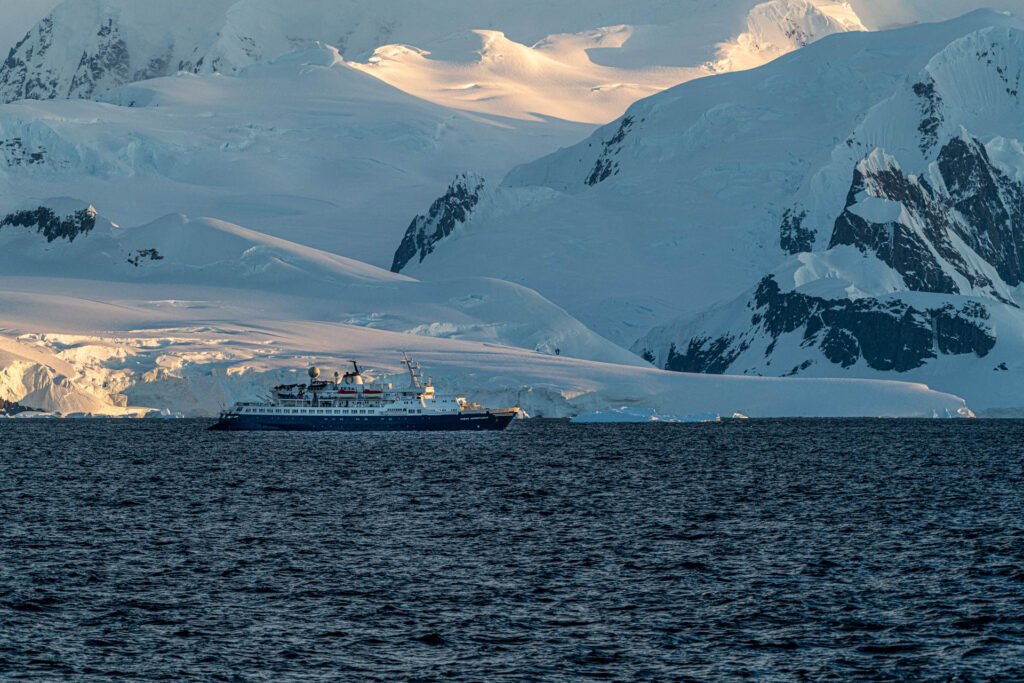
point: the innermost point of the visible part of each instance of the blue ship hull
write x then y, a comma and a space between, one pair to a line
367, 423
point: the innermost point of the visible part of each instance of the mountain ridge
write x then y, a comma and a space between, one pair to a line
906, 229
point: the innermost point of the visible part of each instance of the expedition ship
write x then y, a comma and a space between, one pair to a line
351, 404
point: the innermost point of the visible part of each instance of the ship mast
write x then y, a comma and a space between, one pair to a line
414, 370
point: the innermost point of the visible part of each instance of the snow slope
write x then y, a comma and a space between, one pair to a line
96, 318
204, 269
304, 147
684, 206
296, 142
563, 75
884, 14
449, 52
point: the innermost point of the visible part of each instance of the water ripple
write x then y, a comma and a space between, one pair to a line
782, 550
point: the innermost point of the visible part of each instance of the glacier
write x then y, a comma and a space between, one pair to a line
195, 204
190, 315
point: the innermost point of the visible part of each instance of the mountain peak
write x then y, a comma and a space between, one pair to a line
777, 27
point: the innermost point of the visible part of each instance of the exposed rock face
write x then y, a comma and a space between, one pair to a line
606, 165
21, 77
142, 255
14, 153
793, 236
703, 354
899, 245
110, 62
50, 225
445, 214
931, 114
41, 68
13, 407
991, 203
889, 335
978, 205
957, 230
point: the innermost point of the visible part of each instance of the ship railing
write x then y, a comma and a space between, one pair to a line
325, 402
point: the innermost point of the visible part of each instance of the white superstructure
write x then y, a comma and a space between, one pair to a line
350, 395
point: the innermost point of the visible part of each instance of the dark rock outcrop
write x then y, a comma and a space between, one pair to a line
889, 335
110, 61
712, 356
50, 225
13, 408
142, 255
20, 77
445, 214
606, 165
901, 247
979, 205
15, 153
31, 70
793, 236
931, 114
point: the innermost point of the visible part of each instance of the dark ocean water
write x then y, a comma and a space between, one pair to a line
780, 550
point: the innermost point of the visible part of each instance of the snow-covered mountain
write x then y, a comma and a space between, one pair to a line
296, 142
935, 206
593, 59
594, 75
188, 315
692, 204
511, 59
63, 241
888, 164
303, 147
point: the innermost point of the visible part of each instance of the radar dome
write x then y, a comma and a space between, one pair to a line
314, 372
